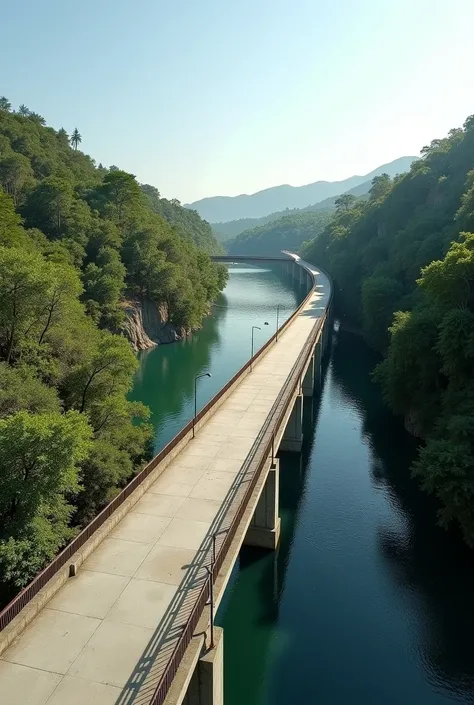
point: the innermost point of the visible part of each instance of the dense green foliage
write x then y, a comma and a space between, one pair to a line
187, 223
404, 267
286, 233
74, 240
229, 230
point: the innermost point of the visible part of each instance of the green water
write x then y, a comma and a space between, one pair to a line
165, 381
365, 602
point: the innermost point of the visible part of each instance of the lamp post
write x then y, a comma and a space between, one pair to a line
251, 354
255, 328
205, 374
278, 315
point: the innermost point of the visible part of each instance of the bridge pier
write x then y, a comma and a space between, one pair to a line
309, 377
206, 686
327, 330
293, 435
264, 529
318, 356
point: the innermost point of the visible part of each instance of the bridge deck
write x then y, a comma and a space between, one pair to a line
84, 647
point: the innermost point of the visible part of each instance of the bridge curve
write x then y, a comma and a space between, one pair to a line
122, 614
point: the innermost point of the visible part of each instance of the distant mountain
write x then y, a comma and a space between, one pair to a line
227, 231
218, 209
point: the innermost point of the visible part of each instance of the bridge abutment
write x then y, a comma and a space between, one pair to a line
206, 686
293, 435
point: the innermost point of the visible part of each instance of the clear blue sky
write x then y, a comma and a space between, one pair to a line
220, 97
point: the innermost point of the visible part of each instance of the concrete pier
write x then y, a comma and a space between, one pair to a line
318, 362
293, 436
309, 378
207, 683
264, 529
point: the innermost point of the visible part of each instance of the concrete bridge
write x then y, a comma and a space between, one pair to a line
124, 615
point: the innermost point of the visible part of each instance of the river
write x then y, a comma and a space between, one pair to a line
366, 601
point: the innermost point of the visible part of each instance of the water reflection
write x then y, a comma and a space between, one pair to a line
433, 567
366, 600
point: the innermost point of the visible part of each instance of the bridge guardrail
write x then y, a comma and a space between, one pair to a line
258, 455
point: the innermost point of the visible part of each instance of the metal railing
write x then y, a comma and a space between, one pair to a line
259, 455
33, 588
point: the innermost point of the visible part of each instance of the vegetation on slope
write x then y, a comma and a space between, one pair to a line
286, 233
73, 239
403, 263
231, 229
186, 222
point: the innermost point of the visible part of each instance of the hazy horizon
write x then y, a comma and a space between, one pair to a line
211, 98
267, 188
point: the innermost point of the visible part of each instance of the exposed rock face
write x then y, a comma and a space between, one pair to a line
413, 425
146, 324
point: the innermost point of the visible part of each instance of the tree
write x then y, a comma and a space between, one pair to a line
63, 137
380, 297
37, 118
345, 202
23, 110
76, 138
381, 185
41, 454
23, 287
11, 232
48, 206
20, 390
106, 371
15, 174
121, 189
104, 282
410, 374
37, 296
5, 104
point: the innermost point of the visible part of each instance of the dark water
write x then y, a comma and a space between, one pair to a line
365, 602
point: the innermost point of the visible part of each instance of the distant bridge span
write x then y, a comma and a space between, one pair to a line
124, 615
284, 257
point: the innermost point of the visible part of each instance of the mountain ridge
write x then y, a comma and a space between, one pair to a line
217, 209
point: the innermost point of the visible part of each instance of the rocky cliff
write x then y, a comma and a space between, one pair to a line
147, 324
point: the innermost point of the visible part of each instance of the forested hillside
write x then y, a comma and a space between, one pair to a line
229, 230
403, 264
74, 240
288, 232
187, 223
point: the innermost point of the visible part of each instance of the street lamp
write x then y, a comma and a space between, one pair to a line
255, 328
205, 374
278, 313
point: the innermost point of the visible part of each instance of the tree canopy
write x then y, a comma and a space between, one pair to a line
403, 264
75, 240
288, 232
